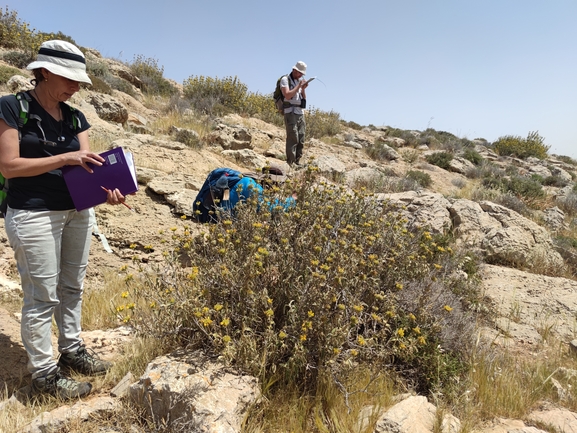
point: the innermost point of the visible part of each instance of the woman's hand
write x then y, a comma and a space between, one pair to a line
82, 158
114, 196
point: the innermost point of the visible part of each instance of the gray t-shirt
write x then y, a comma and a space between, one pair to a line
296, 99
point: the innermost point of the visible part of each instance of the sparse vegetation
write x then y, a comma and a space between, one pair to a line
335, 305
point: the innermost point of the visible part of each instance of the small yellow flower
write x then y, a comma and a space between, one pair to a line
282, 335
218, 307
358, 308
311, 314
354, 352
183, 217
315, 262
269, 312
225, 321
336, 350
421, 340
401, 332
417, 330
226, 339
361, 340
399, 286
341, 306
303, 337
206, 322
412, 316
124, 294
448, 308
437, 266
269, 301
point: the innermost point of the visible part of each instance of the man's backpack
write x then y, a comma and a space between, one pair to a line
278, 96
24, 100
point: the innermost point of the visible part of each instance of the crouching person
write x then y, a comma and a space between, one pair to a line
224, 188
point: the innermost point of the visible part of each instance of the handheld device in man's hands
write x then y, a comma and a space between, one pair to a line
310, 79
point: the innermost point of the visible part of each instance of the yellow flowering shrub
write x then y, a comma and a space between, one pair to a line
335, 280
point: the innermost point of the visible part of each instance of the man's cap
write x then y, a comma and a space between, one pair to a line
61, 58
301, 67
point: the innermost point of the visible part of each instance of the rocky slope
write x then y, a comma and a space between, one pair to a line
170, 173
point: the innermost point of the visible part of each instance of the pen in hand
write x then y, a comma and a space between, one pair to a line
107, 190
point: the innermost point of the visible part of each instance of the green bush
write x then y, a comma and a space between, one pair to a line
322, 123
352, 125
409, 137
216, 96
151, 75
120, 84
7, 72
97, 69
379, 151
556, 181
440, 159
525, 188
360, 288
566, 159
19, 59
420, 177
473, 156
444, 140
532, 146
99, 85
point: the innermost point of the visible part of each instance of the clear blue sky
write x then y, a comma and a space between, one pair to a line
473, 68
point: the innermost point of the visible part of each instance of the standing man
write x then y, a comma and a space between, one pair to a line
293, 90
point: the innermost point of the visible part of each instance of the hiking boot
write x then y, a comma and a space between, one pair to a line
58, 385
83, 362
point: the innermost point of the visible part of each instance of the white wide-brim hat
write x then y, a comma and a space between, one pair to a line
61, 58
301, 67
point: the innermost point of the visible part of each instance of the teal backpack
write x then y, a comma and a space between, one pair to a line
24, 99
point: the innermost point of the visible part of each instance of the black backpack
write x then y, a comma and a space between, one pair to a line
278, 96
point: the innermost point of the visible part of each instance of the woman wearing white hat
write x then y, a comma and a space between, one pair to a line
50, 239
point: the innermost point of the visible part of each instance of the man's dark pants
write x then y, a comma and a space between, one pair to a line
295, 137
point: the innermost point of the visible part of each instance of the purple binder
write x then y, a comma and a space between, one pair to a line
117, 171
